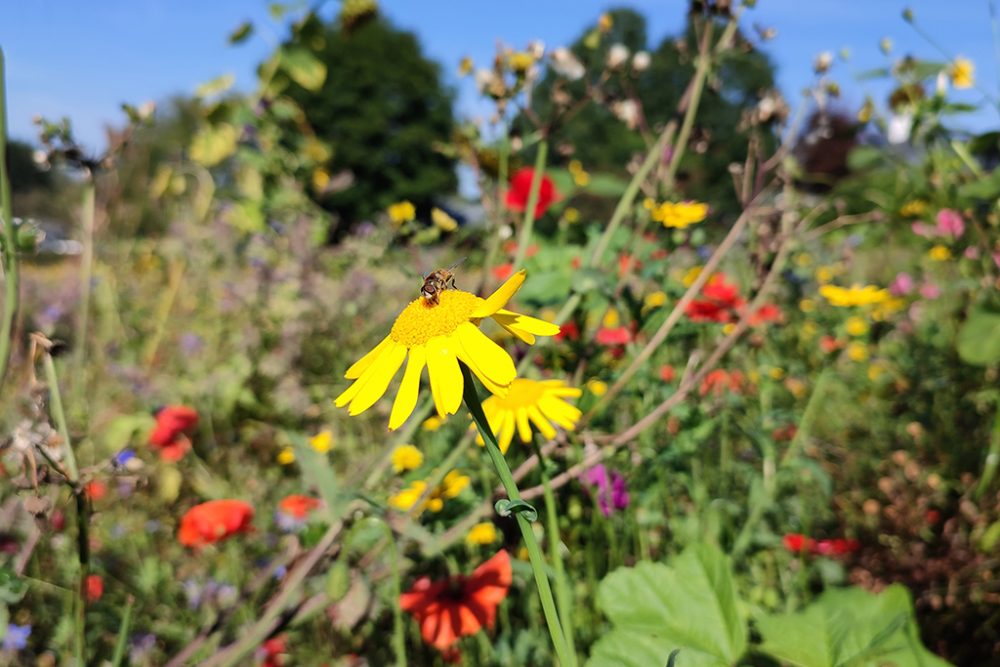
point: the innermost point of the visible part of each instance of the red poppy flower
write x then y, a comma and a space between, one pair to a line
722, 300
719, 381
213, 521
667, 373
613, 335
503, 271
836, 547
766, 314
520, 188
273, 650
798, 543
458, 606
169, 433
95, 490
93, 587
569, 331
298, 506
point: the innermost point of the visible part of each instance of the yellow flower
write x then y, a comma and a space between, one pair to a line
809, 330
856, 326
611, 318
440, 336
807, 305
465, 66
691, 275
939, 253
913, 208
432, 423
605, 22
857, 351
649, 203
286, 456
580, 175
452, 485
728, 328
776, 373
407, 498
855, 295
681, 214
875, 371
538, 402
883, 310
654, 300
401, 212
443, 221
597, 387
803, 259
320, 179
571, 215
322, 442
406, 457
962, 73
521, 61
825, 274
481, 534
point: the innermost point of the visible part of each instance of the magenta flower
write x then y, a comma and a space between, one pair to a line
901, 285
950, 223
612, 494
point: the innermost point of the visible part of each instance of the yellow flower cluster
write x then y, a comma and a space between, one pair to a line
450, 487
678, 215
579, 174
406, 457
855, 295
401, 212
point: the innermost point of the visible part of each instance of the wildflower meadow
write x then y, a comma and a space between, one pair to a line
644, 361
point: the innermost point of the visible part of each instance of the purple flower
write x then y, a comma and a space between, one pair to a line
16, 638
612, 493
901, 285
950, 223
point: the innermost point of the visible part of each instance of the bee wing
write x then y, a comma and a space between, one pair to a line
457, 264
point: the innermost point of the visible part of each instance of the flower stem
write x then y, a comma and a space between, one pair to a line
475, 407
87, 214
529, 211
10, 271
398, 634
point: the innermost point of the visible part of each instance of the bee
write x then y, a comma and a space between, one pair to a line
437, 281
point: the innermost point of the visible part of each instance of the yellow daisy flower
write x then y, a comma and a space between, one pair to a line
322, 442
286, 456
443, 221
440, 336
939, 253
481, 534
406, 457
857, 352
962, 72
597, 387
654, 300
681, 214
855, 295
571, 215
538, 402
401, 212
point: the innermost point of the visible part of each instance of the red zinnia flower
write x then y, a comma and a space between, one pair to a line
214, 520
766, 314
797, 542
95, 490
520, 188
718, 381
613, 335
93, 587
721, 301
169, 433
273, 649
458, 606
298, 506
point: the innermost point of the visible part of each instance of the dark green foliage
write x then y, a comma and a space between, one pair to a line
25, 175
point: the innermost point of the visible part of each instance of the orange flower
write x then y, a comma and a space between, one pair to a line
458, 606
95, 490
93, 587
215, 520
298, 506
719, 381
168, 434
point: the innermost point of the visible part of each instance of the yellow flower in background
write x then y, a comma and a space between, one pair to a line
825, 274
439, 336
796, 387
407, 498
654, 300
286, 456
803, 259
481, 534
776, 373
605, 22
913, 208
597, 387
401, 212
432, 423
857, 351
649, 203
962, 73
856, 326
322, 442
809, 330
728, 328
406, 457
465, 66
451, 486
681, 214
875, 371
807, 305
580, 176
939, 253
320, 179
443, 221
883, 310
611, 318
531, 402
690, 276
571, 215
520, 61
855, 295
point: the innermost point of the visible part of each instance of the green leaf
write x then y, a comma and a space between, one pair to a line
242, 32
316, 472
12, 587
863, 157
219, 84
848, 626
983, 189
979, 338
690, 605
303, 67
212, 145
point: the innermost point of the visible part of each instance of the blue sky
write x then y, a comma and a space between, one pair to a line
82, 59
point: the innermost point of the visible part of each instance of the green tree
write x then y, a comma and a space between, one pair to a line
383, 108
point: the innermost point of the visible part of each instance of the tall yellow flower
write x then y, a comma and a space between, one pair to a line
679, 215
439, 336
538, 402
962, 73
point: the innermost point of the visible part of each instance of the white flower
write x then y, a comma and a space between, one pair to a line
899, 128
627, 111
537, 49
484, 79
823, 62
566, 65
617, 55
640, 61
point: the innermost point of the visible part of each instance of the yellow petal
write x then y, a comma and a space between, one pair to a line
491, 359
523, 427
544, 427
369, 372
560, 412
530, 324
445, 374
526, 337
409, 388
382, 372
505, 433
499, 299
362, 364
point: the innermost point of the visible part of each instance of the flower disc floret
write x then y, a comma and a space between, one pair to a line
421, 321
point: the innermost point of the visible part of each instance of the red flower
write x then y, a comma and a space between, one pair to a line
458, 606
298, 506
520, 188
510, 247
829, 344
93, 587
718, 381
95, 490
784, 433
273, 649
576, 262
836, 547
503, 271
214, 520
169, 433
798, 543
626, 263
766, 314
569, 331
667, 373
721, 301
613, 335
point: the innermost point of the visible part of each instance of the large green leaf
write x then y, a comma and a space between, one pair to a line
979, 338
689, 605
849, 627
305, 68
212, 145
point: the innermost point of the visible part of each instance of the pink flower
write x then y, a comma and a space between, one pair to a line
972, 252
901, 285
950, 223
922, 229
930, 291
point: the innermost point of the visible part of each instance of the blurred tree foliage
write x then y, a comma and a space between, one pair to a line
604, 143
25, 175
383, 108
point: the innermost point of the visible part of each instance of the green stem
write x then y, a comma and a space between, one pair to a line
86, 276
564, 597
123, 631
529, 212
398, 629
813, 407
992, 460
700, 74
475, 407
10, 269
